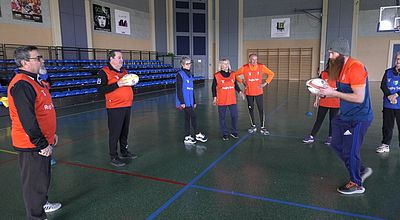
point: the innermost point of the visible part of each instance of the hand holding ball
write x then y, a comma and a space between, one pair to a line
314, 85
128, 80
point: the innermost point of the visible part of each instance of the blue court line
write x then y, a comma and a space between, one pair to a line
190, 184
286, 203
180, 192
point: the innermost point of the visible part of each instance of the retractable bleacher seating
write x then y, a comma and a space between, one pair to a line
75, 81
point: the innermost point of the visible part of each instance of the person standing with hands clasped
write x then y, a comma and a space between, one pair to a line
355, 115
224, 88
186, 102
119, 98
253, 82
33, 131
390, 87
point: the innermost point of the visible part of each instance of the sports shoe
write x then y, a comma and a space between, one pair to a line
328, 140
308, 139
383, 148
235, 135
252, 129
351, 188
225, 137
366, 173
201, 137
264, 131
117, 162
189, 140
51, 207
128, 155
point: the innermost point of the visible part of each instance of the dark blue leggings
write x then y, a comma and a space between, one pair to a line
234, 117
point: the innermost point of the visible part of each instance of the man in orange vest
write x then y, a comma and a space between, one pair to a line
119, 98
253, 81
33, 130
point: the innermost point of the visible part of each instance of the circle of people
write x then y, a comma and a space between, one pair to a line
346, 96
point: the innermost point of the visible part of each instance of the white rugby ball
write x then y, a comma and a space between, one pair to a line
315, 84
130, 79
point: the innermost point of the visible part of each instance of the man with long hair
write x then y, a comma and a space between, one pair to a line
351, 125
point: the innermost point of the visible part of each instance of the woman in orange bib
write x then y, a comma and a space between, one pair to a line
224, 90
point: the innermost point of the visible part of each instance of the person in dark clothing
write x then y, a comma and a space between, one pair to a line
185, 101
119, 98
391, 105
33, 130
223, 90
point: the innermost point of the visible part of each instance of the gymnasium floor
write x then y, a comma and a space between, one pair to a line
253, 177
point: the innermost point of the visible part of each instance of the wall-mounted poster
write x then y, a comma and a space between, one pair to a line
122, 22
101, 18
27, 10
280, 27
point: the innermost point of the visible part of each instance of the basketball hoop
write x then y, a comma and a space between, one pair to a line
389, 19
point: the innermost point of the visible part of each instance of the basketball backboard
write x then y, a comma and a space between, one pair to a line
389, 19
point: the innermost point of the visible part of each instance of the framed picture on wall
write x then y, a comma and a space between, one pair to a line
122, 22
27, 10
280, 27
101, 18
394, 47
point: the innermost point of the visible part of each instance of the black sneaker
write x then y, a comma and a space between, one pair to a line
225, 137
351, 188
117, 162
235, 135
128, 155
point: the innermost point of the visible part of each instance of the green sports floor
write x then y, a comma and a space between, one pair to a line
253, 177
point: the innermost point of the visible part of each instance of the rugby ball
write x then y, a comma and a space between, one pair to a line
314, 85
130, 79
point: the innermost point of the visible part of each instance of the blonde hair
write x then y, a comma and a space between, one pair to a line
224, 61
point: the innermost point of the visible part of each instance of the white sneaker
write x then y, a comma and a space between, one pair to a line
51, 207
252, 129
383, 148
264, 131
189, 140
201, 137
